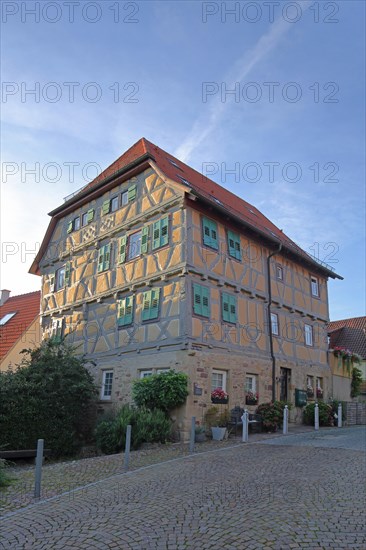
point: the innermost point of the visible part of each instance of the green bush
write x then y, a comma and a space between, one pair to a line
5, 479
356, 382
147, 426
272, 414
326, 415
51, 397
161, 391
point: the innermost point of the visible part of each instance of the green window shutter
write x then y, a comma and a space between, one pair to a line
164, 233
144, 239
67, 273
125, 311
100, 259
90, 215
225, 307
210, 233
156, 235
106, 207
228, 308
234, 245
131, 193
197, 299
107, 256
205, 301
154, 307
146, 306
52, 282
69, 226
201, 300
122, 249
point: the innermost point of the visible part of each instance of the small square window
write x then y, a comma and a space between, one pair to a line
218, 380
274, 324
145, 373
134, 245
60, 278
279, 272
314, 286
107, 382
124, 198
308, 335
114, 204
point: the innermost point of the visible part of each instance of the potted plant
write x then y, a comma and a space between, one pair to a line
319, 393
200, 434
219, 396
251, 398
310, 390
217, 422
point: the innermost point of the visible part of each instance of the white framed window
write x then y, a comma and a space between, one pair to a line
279, 272
162, 371
57, 330
251, 383
218, 380
274, 324
308, 330
107, 382
146, 373
314, 286
6, 318
114, 204
134, 245
84, 219
124, 198
60, 278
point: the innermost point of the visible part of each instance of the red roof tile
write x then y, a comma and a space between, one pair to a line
349, 333
201, 186
26, 308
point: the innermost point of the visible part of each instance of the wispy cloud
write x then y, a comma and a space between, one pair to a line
209, 121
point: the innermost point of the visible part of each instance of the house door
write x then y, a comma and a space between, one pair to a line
285, 384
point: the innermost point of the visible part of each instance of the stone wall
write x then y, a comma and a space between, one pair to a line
355, 413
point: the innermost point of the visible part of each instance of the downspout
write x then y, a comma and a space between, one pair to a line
269, 320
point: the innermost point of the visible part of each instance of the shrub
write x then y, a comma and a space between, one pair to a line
147, 426
326, 416
356, 382
5, 479
214, 417
48, 398
272, 414
161, 391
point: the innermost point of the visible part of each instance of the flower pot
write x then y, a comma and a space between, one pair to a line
218, 434
218, 401
200, 438
249, 401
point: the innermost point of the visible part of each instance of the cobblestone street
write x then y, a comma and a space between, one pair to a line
245, 496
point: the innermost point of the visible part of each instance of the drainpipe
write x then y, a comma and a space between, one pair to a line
269, 320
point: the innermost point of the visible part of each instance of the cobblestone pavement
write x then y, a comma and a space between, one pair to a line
244, 496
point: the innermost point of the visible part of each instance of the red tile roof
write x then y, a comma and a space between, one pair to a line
199, 185
349, 333
26, 307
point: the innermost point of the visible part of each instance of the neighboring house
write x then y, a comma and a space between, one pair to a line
347, 337
153, 266
19, 326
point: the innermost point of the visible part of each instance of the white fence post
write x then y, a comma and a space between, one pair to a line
192, 434
127, 446
340, 415
316, 417
285, 420
245, 419
39, 461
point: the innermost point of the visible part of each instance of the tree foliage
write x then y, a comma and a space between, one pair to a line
356, 382
161, 391
50, 397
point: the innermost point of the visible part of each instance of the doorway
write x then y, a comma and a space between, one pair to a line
285, 384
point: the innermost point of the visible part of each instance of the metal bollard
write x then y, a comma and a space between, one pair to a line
192, 434
285, 421
245, 420
127, 446
316, 417
38, 475
340, 415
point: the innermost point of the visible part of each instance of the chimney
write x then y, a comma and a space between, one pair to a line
4, 296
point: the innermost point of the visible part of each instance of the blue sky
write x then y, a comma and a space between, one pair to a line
293, 131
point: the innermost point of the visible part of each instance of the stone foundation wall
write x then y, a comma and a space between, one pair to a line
355, 413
